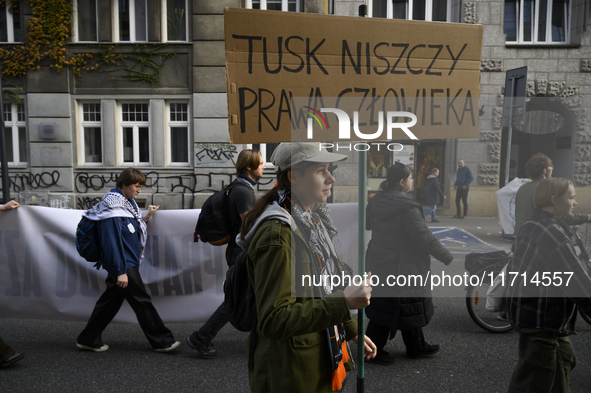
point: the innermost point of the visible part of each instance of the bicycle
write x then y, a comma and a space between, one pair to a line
476, 294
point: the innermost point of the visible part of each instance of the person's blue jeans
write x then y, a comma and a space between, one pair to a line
431, 211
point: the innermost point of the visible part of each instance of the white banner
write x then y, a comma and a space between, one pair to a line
42, 276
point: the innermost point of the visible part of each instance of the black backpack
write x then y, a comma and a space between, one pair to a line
87, 241
213, 224
239, 300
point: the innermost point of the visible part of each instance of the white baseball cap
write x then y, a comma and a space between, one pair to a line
288, 154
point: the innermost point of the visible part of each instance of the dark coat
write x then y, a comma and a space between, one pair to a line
433, 191
401, 244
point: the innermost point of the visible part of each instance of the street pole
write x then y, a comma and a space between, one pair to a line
361, 255
3, 157
510, 132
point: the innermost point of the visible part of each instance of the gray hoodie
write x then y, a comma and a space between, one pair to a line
272, 212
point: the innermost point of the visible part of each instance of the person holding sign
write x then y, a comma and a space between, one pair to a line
300, 340
123, 233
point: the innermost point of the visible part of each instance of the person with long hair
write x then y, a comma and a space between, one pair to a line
300, 339
401, 245
239, 200
541, 299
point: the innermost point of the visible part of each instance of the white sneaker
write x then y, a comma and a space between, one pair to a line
169, 348
101, 348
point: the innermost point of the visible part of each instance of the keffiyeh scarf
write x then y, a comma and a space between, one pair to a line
325, 264
115, 204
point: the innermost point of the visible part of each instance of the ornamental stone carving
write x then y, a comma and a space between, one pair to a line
488, 180
488, 169
557, 92
585, 65
554, 88
490, 136
581, 116
583, 153
541, 87
497, 115
569, 91
491, 65
582, 180
494, 152
583, 137
582, 167
573, 102
530, 89
470, 12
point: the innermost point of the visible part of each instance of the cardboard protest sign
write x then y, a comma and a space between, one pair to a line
285, 69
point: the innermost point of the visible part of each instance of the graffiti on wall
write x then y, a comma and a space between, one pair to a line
85, 203
215, 154
33, 181
187, 183
62, 201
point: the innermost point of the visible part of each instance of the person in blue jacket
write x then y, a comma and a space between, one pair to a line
462, 186
123, 234
433, 193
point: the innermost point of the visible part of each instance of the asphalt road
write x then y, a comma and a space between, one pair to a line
470, 360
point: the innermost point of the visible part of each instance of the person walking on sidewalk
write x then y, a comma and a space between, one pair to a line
249, 169
401, 245
8, 356
122, 235
462, 186
433, 193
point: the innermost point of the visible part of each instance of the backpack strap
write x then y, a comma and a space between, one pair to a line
225, 216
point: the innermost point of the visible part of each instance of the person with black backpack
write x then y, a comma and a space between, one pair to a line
299, 342
122, 235
238, 201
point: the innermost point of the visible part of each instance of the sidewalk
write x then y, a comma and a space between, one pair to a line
486, 229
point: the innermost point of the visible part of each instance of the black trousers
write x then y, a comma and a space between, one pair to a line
214, 324
413, 339
109, 304
5, 351
463, 195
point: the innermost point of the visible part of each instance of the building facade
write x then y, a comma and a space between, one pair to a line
153, 95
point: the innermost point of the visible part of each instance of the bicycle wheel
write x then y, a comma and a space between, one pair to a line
476, 304
585, 316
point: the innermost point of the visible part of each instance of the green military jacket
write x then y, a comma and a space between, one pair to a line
291, 350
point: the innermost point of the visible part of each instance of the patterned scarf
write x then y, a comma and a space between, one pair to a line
325, 265
114, 204
324, 214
